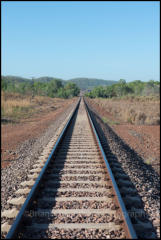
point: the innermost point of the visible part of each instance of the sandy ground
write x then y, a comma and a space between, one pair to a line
12, 135
144, 139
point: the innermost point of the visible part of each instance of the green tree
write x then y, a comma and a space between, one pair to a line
111, 91
53, 87
71, 89
121, 87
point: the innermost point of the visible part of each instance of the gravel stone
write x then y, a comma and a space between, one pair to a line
28, 152
143, 177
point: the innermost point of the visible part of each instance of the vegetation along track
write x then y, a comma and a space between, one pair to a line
75, 194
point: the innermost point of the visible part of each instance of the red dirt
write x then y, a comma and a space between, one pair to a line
144, 139
12, 135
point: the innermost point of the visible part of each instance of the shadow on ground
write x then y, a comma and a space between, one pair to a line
33, 214
145, 176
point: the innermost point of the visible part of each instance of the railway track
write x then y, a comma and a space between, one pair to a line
75, 194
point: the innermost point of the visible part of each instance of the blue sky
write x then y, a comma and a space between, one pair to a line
107, 40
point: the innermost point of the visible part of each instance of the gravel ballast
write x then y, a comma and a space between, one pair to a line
145, 179
28, 152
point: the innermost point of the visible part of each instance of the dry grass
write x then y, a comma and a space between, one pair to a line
134, 110
15, 106
110, 122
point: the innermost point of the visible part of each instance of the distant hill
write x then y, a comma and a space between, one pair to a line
82, 83
16, 79
89, 83
48, 79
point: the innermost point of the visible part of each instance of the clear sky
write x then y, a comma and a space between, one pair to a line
107, 40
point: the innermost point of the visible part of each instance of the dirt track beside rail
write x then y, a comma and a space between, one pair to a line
144, 139
13, 135
144, 176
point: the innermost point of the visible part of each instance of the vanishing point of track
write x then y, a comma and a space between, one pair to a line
75, 194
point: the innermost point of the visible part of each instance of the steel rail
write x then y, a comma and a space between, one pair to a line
130, 230
16, 225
